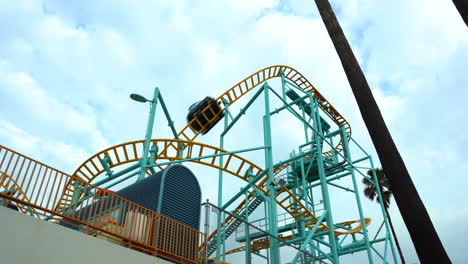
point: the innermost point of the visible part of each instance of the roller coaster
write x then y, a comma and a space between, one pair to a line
297, 188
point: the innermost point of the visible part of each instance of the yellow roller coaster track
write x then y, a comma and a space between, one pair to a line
182, 149
248, 84
177, 149
264, 243
258, 244
8, 183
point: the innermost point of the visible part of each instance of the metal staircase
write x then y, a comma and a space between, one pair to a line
212, 243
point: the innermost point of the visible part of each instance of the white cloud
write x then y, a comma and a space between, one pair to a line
65, 157
17, 137
36, 104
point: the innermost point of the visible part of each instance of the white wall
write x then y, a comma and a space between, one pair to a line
25, 239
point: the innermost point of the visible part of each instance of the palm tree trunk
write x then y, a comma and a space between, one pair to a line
462, 7
394, 235
423, 234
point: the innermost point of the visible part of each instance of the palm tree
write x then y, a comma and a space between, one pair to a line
370, 191
462, 7
423, 234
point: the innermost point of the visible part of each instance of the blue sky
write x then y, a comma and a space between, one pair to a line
66, 71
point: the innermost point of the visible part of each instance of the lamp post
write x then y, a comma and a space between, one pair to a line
149, 128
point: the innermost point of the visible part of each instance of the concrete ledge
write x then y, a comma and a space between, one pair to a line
25, 239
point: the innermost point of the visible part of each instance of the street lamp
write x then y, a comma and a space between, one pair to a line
149, 128
139, 98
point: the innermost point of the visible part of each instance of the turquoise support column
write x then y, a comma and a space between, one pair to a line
387, 226
248, 256
149, 132
356, 193
170, 123
219, 233
308, 238
76, 195
323, 183
161, 192
266, 223
272, 213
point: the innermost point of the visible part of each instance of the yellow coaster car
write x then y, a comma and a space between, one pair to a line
205, 115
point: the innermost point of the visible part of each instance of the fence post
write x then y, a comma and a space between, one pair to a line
207, 226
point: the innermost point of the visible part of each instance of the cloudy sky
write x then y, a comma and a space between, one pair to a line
67, 68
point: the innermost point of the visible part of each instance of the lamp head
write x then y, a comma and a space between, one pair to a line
139, 98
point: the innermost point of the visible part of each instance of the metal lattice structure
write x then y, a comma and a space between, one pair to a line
291, 187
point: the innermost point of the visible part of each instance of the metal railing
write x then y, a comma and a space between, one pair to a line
282, 220
34, 188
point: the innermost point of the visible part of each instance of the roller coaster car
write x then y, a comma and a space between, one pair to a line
207, 112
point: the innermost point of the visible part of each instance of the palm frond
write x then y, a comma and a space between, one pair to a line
370, 193
367, 182
386, 195
370, 190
